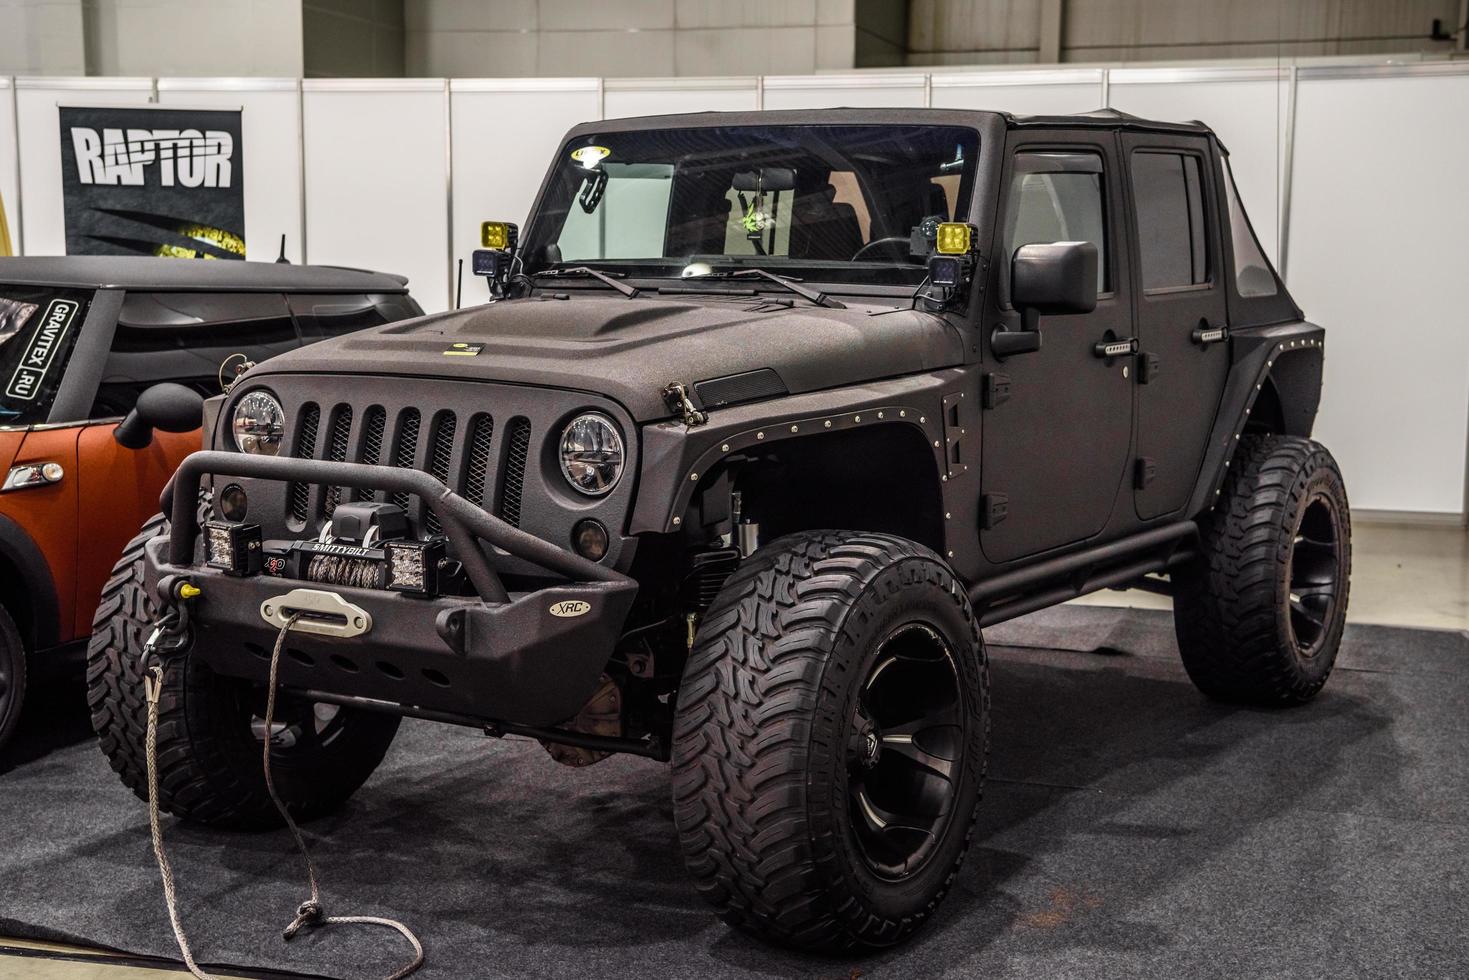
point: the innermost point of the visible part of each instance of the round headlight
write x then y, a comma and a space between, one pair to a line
591, 454
259, 424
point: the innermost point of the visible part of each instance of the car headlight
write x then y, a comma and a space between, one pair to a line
259, 424
591, 454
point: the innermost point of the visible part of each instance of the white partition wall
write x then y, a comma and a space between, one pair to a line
36, 100
1031, 93
1248, 107
9, 162
827, 91
270, 128
623, 97
504, 132
1379, 254
377, 178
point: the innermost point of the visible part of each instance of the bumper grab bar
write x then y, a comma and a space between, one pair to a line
465, 524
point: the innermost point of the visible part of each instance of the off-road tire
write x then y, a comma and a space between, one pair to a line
759, 783
12, 676
1232, 605
209, 760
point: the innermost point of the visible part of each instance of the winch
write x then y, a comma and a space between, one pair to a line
365, 545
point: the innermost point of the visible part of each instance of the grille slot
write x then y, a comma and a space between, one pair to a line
516, 455
305, 448
441, 455
336, 452
374, 428
407, 449
481, 432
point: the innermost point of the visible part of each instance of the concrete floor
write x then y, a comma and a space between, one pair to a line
1401, 576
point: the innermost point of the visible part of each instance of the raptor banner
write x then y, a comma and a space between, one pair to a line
140, 180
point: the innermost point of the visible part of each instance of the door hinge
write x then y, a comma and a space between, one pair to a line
996, 390
993, 508
1144, 471
1147, 368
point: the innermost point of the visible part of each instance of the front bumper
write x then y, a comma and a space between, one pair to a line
496, 657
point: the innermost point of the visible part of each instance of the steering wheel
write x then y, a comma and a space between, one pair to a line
892, 243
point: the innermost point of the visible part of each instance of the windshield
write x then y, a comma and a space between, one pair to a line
38, 328
829, 204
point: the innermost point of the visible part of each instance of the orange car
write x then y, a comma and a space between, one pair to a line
104, 364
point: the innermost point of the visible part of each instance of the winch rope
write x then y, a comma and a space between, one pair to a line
310, 912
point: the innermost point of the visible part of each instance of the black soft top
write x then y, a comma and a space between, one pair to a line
977, 118
192, 275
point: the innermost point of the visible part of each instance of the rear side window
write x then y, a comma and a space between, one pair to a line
1057, 197
1167, 189
38, 329
1252, 275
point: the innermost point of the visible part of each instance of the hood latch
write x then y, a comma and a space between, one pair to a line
677, 397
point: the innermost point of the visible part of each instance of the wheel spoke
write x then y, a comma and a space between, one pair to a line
884, 821
907, 747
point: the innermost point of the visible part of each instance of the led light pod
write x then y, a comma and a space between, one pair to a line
954, 238
234, 549
414, 566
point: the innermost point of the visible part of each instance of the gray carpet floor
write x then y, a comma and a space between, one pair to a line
1130, 829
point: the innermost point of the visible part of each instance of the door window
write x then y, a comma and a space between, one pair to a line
1058, 197
38, 329
1167, 189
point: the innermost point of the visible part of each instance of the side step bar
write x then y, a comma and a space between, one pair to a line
1055, 580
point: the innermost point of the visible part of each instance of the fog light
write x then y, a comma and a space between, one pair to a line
413, 566
232, 548
589, 538
233, 503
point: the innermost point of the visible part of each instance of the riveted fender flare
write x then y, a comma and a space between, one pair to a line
1286, 358
20, 552
675, 457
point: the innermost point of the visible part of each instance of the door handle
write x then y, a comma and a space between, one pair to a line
1206, 334
1115, 348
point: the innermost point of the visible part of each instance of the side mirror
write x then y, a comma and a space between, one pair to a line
167, 406
1059, 277
1047, 278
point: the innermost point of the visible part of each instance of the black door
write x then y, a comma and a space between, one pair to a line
1184, 346
1058, 421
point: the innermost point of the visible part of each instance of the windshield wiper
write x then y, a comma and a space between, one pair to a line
582, 270
793, 285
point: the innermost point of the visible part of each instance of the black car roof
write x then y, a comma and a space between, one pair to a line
185, 275
1097, 119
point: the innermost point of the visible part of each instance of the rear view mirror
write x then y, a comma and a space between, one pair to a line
1046, 278
767, 179
167, 406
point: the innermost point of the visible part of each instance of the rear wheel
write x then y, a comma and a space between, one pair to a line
211, 728
12, 676
1260, 614
830, 741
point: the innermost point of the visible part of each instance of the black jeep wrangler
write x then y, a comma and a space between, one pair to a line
770, 415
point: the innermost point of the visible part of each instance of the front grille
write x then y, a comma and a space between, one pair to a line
379, 438
515, 459
305, 448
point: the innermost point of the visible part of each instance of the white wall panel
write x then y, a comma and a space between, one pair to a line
1031, 93
830, 91
1247, 107
270, 127
9, 160
40, 146
505, 133
1378, 248
377, 178
654, 96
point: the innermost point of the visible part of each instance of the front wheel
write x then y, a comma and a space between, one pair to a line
211, 728
830, 741
1260, 612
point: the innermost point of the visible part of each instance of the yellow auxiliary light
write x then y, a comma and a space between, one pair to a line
498, 234
954, 238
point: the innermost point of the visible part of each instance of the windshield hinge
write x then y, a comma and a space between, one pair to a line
677, 397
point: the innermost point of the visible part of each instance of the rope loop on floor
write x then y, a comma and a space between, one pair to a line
310, 912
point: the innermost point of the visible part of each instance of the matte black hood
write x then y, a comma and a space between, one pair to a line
629, 349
